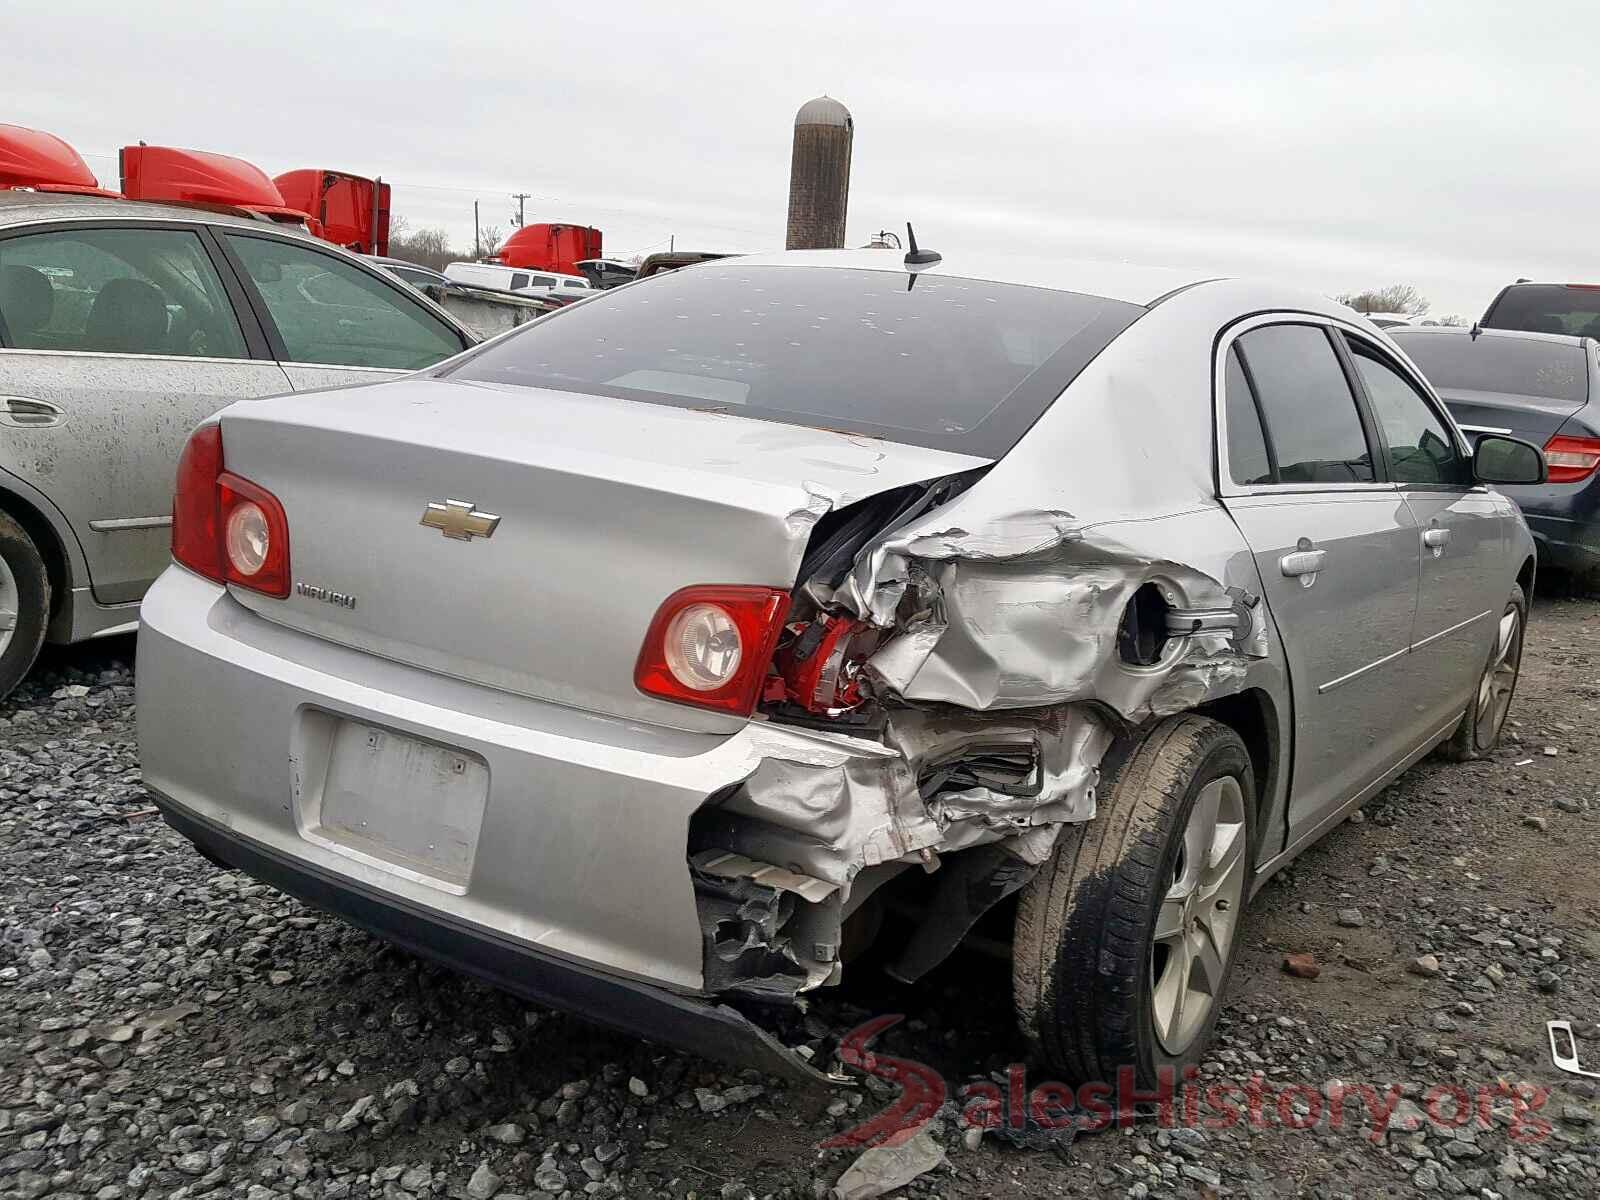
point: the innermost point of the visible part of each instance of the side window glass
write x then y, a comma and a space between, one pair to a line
118, 291
1421, 449
328, 311
1248, 460
518, 281
1311, 418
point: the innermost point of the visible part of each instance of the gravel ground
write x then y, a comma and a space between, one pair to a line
169, 1029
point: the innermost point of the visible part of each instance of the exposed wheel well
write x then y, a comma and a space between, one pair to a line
1253, 716
1525, 579
50, 548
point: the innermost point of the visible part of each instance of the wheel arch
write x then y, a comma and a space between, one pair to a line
1525, 575
1253, 715
47, 538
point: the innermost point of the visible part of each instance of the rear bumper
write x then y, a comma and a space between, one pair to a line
1565, 542
572, 885
1565, 522
699, 1026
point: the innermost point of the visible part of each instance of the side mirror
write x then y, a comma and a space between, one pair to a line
1508, 460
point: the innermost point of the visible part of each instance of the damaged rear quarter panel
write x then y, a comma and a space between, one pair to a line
1003, 608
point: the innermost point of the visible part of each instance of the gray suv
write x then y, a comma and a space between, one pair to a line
123, 325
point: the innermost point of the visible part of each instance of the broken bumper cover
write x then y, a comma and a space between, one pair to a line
570, 860
699, 1026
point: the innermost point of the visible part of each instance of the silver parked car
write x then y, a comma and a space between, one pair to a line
639, 659
122, 325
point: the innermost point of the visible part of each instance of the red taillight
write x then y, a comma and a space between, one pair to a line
819, 669
225, 527
196, 515
1571, 458
711, 646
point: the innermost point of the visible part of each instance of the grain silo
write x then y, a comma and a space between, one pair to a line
819, 175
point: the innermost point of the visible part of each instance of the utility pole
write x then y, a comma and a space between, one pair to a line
477, 241
521, 198
672, 243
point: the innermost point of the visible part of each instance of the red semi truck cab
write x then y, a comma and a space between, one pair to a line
348, 210
557, 248
42, 162
201, 177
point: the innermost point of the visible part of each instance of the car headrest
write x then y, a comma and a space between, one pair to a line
128, 315
26, 299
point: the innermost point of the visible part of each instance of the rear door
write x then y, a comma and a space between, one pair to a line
117, 339
331, 322
1465, 533
1337, 551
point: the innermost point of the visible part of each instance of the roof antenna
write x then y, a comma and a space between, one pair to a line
1476, 331
916, 257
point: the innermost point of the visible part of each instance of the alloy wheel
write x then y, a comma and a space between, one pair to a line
1199, 915
10, 600
1499, 678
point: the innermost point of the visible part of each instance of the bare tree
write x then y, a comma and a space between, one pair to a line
426, 247
1454, 320
489, 238
1396, 298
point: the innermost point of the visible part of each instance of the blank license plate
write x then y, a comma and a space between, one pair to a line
412, 802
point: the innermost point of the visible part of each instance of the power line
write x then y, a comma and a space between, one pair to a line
479, 193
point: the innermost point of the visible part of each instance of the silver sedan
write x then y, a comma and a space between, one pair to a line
640, 659
122, 325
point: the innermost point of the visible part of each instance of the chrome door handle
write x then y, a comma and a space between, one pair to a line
1435, 537
24, 412
1302, 563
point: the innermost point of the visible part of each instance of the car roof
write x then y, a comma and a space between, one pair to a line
23, 208
1114, 280
1484, 331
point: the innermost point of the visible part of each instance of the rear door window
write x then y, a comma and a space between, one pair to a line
1422, 449
332, 313
1310, 413
116, 291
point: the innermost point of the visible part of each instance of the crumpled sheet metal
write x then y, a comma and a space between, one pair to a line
1028, 616
830, 811
1070, 743
828, 808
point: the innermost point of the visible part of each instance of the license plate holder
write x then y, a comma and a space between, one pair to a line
411, 802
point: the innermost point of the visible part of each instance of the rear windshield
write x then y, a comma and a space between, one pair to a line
951, 363
1547, 308
1458, 362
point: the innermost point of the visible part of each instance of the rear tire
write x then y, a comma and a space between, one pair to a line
24, 603
1481, 725
1136, 903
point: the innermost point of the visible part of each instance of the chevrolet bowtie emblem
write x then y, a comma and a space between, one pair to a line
459, 519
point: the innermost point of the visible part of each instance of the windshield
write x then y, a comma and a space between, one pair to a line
1515, 366
1547, 308
950, 363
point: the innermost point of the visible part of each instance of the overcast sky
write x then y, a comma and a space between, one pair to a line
1451, 146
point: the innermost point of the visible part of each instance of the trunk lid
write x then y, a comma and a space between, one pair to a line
606, 507
1532, 418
